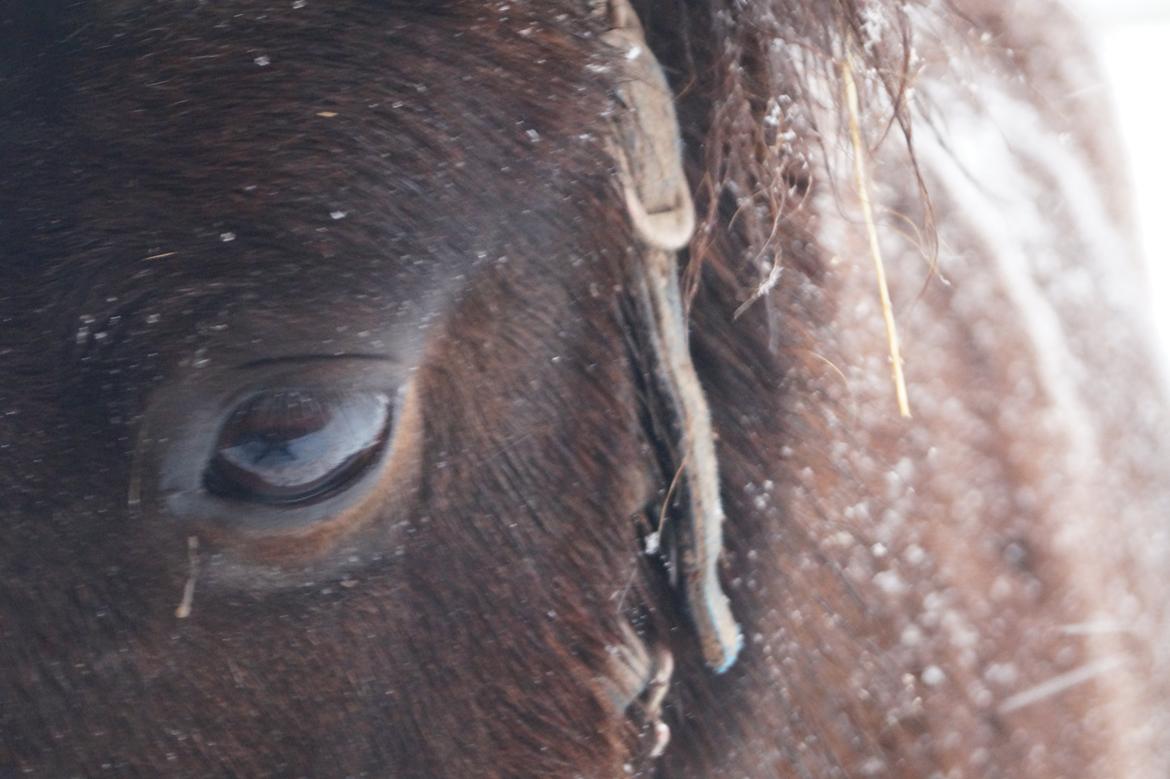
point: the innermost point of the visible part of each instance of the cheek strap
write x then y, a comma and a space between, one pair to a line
647, 148
699, 533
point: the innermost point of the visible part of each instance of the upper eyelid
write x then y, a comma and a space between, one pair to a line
299, 359
235, 383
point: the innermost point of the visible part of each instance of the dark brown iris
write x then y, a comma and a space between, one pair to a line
297, 446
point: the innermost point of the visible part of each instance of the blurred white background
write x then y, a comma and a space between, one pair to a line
1132, 38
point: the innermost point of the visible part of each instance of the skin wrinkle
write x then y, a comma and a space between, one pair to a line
895, 585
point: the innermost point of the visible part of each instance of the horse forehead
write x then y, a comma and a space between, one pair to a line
281, 201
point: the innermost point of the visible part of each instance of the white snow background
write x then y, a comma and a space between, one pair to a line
1132, 41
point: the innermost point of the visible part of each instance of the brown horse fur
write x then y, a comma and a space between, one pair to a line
425, 187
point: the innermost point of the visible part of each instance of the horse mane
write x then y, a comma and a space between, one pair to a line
755, 82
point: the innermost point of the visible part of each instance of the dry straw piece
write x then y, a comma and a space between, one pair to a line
853, 106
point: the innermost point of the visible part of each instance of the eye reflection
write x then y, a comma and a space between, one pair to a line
292, 447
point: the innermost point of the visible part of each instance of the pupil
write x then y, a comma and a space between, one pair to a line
264, 450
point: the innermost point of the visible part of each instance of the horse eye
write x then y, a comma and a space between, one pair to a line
293, 447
